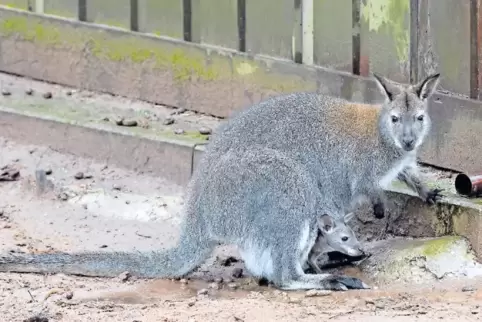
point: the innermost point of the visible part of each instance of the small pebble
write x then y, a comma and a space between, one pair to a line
233, 286
79, 175
63, 196
214, 286
47, 95
203, 291
168, 121
48, 171
124, 277
178, 131
2, 212
179, 111
129, 122
116, 187
237, 273
88, 176
119, 120
314, 293
69, 295
103, 246
68, 93
205, 131
29, 91
183, 281
218, 280
468, 289
6, 92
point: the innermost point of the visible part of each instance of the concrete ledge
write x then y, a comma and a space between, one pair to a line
174, 159
207, 79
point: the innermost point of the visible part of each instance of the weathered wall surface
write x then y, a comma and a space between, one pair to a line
207, 79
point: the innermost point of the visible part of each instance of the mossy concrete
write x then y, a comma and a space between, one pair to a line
418, 261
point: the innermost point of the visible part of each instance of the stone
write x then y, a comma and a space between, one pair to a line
129, 122
6, 92
203, 291
69, 295
47, 95
29, 91
168, 121
124, 277
179, 131
315, 293
205, 131
79, 175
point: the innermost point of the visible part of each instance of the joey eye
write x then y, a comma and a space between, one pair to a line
420, 118
344, 238
394, 119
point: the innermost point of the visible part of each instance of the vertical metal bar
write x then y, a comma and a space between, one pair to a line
39, 6
414, 40
297, 43
242, 25
82, 10
307, 26
356, 41
474, 49
134, 15
187, 18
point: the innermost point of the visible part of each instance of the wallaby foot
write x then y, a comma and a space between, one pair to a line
433, 196
324, 282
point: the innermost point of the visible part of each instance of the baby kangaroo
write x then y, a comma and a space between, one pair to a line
334, 235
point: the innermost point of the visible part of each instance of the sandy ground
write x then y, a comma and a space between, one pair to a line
114, 209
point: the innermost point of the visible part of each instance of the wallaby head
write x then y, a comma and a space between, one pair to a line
404, 118
339, 236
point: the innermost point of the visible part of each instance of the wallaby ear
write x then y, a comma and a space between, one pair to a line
326, 223
427, 87
348, 217
386, 87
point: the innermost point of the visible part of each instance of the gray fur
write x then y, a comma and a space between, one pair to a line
266, 176
334, 235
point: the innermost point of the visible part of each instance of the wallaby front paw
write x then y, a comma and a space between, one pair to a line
433, 196
379, 210
344, 283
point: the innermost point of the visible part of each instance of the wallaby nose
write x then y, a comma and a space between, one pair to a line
408, 143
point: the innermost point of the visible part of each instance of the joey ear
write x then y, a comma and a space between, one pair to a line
427, 87
386, 87
326, 223
348, 217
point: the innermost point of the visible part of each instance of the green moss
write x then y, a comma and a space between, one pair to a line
185, 63
437, 246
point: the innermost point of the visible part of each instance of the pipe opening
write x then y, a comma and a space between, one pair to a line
463, 185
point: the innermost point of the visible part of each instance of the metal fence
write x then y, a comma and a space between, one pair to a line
402, 39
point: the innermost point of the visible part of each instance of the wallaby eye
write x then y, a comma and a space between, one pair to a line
420, 118
394, 119
344, 238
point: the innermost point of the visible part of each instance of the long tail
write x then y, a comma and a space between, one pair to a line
170, 263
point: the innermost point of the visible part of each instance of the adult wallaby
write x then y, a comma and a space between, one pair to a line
266, 176
334, 235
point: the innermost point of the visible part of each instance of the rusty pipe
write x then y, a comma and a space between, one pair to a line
468, 186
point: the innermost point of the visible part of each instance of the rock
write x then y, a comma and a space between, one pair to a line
129, 122
6, 92
179, 131
218, 280
314, 293
119, 121
214, 286
48, 171
63, 196
79, 175
468, 289
228, 261
2, 212
203, 291
103, 246
205, 131
237, 273
47, 95
168, 121
183, 281
69, 93
29, 91
233, 286
124, 277
69, 295
116, 187
179, 111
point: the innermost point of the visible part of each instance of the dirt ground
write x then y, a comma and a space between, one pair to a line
86, 205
